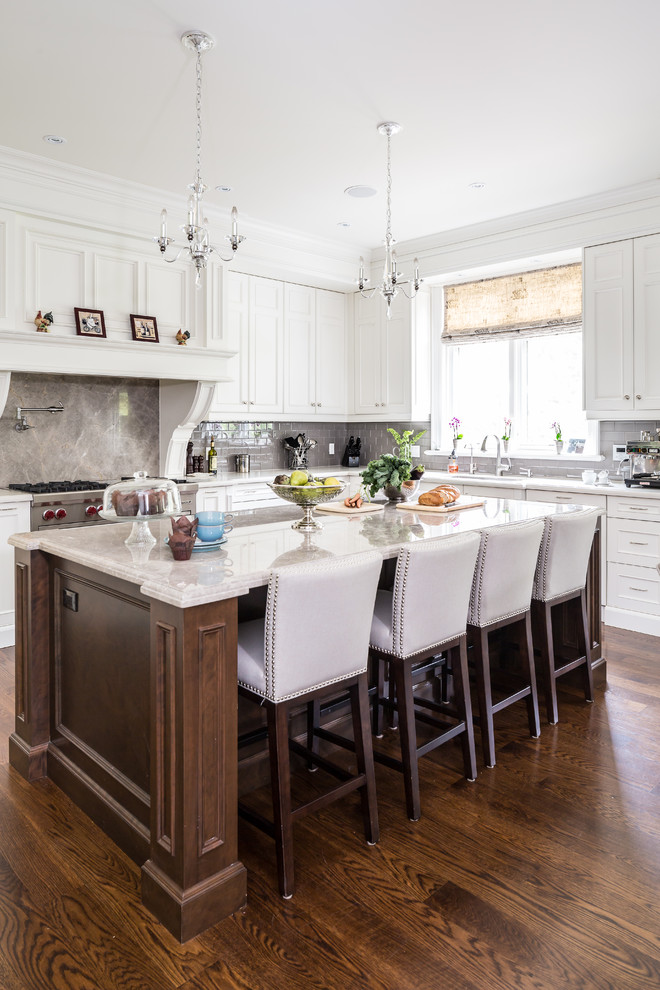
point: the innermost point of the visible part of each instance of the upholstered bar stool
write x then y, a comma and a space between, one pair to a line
501, 596
561, 576
313, 639
422, 617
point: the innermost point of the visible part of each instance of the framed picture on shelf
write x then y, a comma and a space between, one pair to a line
575, 446
89, 322
144, 328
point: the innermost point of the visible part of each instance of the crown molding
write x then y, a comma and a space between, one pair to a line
38, 186
632, 211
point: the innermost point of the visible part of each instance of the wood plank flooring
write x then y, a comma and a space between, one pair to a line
544, 874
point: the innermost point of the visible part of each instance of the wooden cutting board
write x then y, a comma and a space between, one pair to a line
452, 507
347, 510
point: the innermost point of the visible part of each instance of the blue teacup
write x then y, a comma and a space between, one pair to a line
209, 534
213, 518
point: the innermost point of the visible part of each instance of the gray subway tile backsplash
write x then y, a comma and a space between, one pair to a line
263, 441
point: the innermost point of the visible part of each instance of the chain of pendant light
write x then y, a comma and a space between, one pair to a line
388, 212
198, 109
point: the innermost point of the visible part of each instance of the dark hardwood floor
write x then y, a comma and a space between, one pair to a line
543, 874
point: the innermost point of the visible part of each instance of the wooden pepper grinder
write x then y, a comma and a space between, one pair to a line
190, 466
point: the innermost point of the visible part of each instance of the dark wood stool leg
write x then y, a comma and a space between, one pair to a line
365, 757
392, 713
588, 674
401, 670
543, 623
280, 776
458, 659
313, 722
485, 695
377, 709
532, 699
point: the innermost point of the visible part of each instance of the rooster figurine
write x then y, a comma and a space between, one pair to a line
182, 336
42, 323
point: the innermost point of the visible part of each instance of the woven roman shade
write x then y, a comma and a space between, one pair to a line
522, 305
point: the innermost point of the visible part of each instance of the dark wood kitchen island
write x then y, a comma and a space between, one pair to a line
126, 693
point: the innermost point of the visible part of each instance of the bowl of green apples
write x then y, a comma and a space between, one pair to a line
306, 490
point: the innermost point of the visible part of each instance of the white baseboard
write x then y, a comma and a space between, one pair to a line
7, 636
635, 621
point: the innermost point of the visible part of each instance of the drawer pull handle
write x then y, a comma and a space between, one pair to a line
564, 498
645, 590
636, 543
638, 508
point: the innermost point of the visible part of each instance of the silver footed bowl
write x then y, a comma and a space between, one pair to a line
308, 494
407, 491
308, 497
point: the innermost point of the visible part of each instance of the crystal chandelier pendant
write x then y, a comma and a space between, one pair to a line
392, 277
196, 228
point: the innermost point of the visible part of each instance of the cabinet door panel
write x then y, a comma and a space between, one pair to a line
608, 328
233, 396
331, 390
647, 323
396, 365
300, 352
266, 345
368, 384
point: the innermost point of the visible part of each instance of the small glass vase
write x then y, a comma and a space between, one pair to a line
559, 444
505, 446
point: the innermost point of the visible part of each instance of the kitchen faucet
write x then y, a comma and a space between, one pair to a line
499, 467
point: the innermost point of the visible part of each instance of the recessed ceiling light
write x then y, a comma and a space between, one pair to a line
54, 139
343, 223
360, 192
223, 188
477, 185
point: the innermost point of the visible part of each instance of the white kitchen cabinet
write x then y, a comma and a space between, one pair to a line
621, 309
493, 491
315, 383
14, 518
212, 499
382, 358
254, 314
256, 496
633, 552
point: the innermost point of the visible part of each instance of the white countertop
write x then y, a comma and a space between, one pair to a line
522, 482
260, 541
9, 495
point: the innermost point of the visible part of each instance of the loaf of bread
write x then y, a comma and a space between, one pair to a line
448, 488
436, 497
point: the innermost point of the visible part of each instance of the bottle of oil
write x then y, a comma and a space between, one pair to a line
212, 459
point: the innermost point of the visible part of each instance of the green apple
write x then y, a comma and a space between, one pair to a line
332, 482
298, 478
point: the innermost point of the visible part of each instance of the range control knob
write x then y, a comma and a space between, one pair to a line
91, 510
99, 508
60, 514
48, 514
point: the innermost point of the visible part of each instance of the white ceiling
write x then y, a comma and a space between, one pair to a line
544, 102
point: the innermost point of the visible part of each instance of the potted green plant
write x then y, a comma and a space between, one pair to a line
392, 475
404, 442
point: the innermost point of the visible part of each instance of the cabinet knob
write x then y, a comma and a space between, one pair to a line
245, 402
626, 396
638, 396
318, 403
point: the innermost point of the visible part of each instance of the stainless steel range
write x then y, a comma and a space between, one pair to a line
64, 504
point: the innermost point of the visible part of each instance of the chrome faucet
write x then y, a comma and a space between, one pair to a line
499, 467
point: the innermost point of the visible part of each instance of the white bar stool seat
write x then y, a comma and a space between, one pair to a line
561, 576
314, 637
501, 596
425, 616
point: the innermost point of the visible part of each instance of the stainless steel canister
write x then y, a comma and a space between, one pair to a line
243, 463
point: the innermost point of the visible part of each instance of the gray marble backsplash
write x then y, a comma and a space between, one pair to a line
109, 428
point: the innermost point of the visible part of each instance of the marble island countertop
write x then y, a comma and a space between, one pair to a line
261, 540
615, 486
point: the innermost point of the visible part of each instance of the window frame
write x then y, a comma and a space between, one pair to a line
444, 406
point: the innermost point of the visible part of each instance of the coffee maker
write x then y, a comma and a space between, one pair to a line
644, 463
